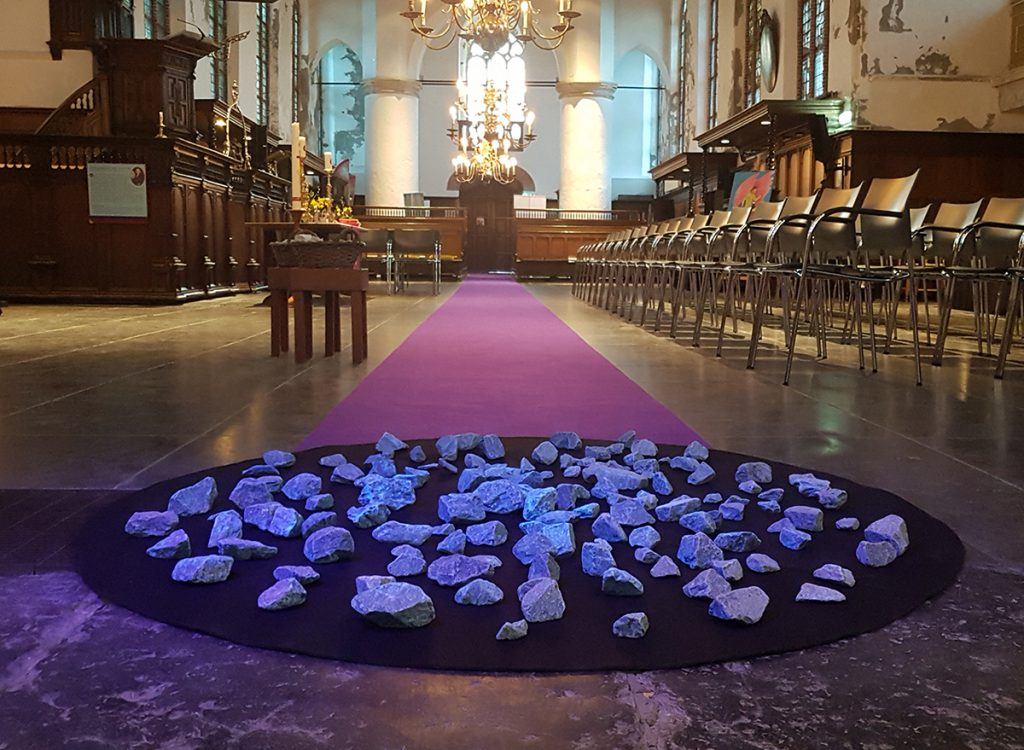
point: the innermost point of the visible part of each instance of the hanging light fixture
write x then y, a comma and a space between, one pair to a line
490, 22
487, 131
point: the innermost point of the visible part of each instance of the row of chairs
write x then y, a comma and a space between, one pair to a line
398, 251
831, 261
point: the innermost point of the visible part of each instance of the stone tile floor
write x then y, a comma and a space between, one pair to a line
95, 398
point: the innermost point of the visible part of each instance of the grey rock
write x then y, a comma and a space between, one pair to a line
627, 437
245, 549
772, 506
512, 631
794, 538
279, 459
597, 557
195, 499
644, 448
275, 519
368, 516
891, 529
396, 532
302, 573
614, 476
490, 534
773, 495
713, 498
876, 554
329, 545
588, 511
646, 555
492, 447
665, 567
701, 521
394, 492
618, 582
151, 523
332, 460
492, 562
323, 501
697, 450
389, 445
544, 566
675, 509
732, 511
632, 625
597, 452
260, 470
479, 593
468, 441
448, 466
174, 546
660, 484
417, 454
543, 602
647, 499
250, 491
226, 524
526, 465
203, 569
302, 486
808, 485
567, 495
836, 574
779, 526
381, 466
455, 570
532, 546
453, 544
753, 471
760, 563
539, 501
811, 592
701, 475
832, 498
545, 453
273, 484
284, 594
473, 461
707, 584
395, 605
566, 441
447, 447
346, 474
500, 496
366, 583
607, 528
684, 463
644, 536
407, 565
552, 517
403, 550
571, 472
631, 512
698, 551
805, 518
460, 506
848, 524
318, 521
730, 570
443, 529
738, 541
750, 487
562, 538
746, 605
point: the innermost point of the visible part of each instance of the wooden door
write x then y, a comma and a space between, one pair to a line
490, 240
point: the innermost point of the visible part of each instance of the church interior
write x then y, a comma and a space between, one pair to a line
512, 373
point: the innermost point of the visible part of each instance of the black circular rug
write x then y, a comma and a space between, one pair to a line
682, 633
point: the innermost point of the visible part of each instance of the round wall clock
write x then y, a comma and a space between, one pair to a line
768, 40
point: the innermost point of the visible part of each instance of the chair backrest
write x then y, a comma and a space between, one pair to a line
939, 245
415, 240
719, 219
882, 236
768, 210
699, 222
918, 216
957, 215
799, 204
836, 238
1000, 247
684, 224
376, 240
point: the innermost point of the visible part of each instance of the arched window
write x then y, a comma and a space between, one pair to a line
752, 54
263, 64
813, 59
217, 17
338, 106
684, 46
156, 16
712, 63
296, 57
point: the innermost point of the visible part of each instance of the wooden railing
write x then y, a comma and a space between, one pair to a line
408, 212
85, 112
559, 214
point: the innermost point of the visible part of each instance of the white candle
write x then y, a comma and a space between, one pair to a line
296, 167
328, 162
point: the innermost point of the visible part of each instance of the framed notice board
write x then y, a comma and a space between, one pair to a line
117, 192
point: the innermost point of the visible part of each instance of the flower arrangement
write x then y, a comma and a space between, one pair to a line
325, 210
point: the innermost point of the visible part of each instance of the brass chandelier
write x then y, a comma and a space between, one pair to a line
490, 22
487, 136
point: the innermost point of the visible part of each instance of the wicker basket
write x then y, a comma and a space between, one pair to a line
326, 254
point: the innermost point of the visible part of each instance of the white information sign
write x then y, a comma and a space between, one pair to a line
117, 191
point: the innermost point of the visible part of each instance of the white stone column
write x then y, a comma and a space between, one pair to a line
392, 140
586, 113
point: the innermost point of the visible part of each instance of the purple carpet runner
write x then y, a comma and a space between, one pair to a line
494, 359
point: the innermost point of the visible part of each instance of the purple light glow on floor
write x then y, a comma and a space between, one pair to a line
494, 359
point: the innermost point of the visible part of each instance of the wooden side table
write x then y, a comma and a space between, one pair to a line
301, 284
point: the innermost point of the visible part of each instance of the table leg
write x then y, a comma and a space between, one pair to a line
278, 322
330, 322
337, 321
359, 338
303, 327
